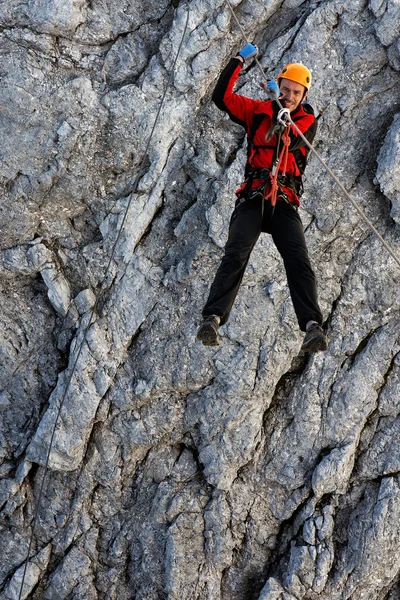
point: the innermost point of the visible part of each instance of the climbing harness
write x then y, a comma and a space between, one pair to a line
279, 165
95, 306
267, 182
321, 160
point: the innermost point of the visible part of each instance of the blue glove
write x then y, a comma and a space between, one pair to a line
272, 88
248, 51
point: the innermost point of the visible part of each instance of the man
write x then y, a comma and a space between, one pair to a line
266, 203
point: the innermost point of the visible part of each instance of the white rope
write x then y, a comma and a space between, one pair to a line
321, 160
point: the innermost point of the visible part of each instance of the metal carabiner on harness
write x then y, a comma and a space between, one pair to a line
283, 117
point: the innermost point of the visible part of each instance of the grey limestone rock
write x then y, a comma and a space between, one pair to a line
35, 569
158, 468
388, 172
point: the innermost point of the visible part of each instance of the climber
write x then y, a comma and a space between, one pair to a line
258, 207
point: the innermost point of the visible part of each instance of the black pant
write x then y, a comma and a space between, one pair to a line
286, 228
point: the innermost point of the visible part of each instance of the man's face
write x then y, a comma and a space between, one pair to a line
291, 94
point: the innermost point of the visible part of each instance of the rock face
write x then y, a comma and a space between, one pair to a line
243, 472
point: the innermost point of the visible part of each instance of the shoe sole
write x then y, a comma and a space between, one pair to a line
208, 336
315, 345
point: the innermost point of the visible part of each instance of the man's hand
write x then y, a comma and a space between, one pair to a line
249, 51
272, 88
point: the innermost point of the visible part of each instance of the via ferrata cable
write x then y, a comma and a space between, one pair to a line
93, 311
321, 160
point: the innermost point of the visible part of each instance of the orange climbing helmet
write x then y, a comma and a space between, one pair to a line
296, 72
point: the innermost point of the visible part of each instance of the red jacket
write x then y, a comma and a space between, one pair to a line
257, 117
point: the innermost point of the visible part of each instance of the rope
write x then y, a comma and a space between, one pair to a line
273, 186
321, 160
354, 203
283, 158
102, 290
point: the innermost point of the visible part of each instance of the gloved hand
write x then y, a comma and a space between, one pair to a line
248, 51
272, 88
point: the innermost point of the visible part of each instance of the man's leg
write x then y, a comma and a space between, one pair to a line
244, 230
288, 235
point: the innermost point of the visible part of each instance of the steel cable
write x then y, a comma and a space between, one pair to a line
321, 160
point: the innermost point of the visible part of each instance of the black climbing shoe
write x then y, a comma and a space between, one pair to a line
208, 331
315, 340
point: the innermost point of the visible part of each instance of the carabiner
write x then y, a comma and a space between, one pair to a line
284, 117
